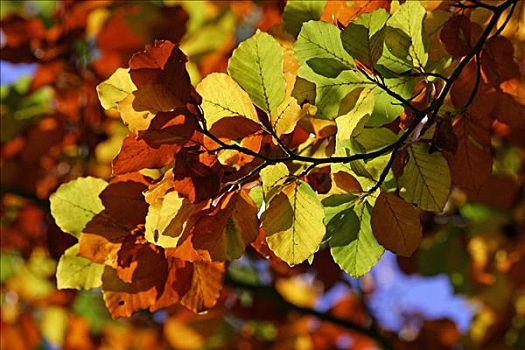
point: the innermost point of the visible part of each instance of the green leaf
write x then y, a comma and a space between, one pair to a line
353, 245
286, 116
223, 97
273, 178
296, 12
293, 223
75, 203
166, 220
76, 272
426, 179
375, 138
319, 46
409, 18
331, 91
257, 65
363, 107
363, 38
116, 88
396, 53
334, 206
388, 108
405, 43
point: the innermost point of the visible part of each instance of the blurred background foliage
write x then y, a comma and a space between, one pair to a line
464, 288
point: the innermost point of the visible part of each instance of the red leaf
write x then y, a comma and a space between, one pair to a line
471, 164
136, 155
225, 229
175, 127
459, 35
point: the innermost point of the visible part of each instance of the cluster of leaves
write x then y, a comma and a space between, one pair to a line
351, 128
320, 135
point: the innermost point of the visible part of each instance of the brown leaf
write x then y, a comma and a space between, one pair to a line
159, 72
196, 175
459, 35
124, 299
396, 224
471, 164
497, 61
206, 286
136, 155
98, 248
228, 227
176, 127
124, 202
178, 283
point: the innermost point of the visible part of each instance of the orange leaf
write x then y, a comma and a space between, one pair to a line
136, 155
228, 227
396, 224
471, 165
459, 35
206, 286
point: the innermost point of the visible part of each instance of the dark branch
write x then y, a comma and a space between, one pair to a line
269, 292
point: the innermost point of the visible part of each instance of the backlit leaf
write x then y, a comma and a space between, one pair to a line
226, 228
363, 107
293, 223
396, 224
273, 177
77, 272
222, 97
117, 87
296, 12
257, 66
286, 116
353, 245
320, 51
363, 38
205, 287
409, 18
75, 203
136, 155
425, 179
162, 226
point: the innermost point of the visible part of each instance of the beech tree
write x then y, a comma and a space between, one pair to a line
342, 131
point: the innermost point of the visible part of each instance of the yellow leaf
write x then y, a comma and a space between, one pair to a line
223, 97
116, 88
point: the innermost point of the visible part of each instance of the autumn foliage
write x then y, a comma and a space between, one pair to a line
182, 157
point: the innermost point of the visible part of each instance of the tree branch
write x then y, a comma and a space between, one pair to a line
269, 292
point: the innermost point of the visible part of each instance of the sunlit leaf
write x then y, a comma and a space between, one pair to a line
353, 245
425, 179
117, 87
293, 223
75, 203
257, 66
77, 272
396, 224
222, 97
296, 12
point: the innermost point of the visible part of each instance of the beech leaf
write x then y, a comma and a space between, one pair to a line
222, 97
352, 244
257, 65
76, 272
396, 224
75, 203
293, 223
117, 87
205, 287
425, 179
